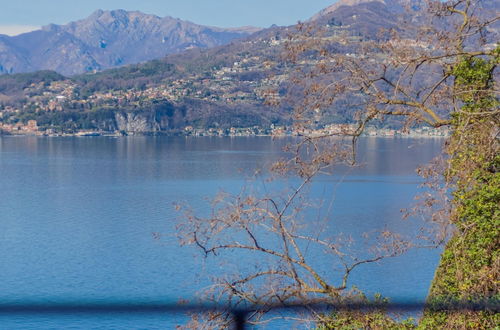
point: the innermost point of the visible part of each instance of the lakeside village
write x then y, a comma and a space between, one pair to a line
219, 84
31, 128
245, 81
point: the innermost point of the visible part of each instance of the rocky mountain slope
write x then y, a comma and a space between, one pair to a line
107, 39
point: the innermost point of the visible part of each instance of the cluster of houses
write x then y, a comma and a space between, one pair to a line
220, 85
30, 128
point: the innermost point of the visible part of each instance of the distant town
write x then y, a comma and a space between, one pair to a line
31, 128
118, 103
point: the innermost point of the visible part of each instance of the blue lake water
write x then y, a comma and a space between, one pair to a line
78, 218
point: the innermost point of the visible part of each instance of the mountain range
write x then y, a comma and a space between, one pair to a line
203, 88
108, 39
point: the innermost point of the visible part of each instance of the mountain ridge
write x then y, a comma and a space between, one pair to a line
106, 39
330, 9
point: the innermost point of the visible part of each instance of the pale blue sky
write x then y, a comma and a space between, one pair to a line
18, 14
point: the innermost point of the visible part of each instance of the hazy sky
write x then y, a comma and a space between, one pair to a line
20, 15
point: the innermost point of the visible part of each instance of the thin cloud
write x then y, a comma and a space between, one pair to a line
13, 30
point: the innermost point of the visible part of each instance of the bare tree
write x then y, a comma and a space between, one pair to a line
286, 243
442, 71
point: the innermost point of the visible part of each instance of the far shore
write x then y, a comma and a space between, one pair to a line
169, 134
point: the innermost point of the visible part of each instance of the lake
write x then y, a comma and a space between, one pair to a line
79, 218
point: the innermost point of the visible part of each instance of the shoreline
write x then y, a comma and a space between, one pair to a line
96, 135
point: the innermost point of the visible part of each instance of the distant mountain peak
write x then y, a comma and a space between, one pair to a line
393, 5
108, 38
340, 3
